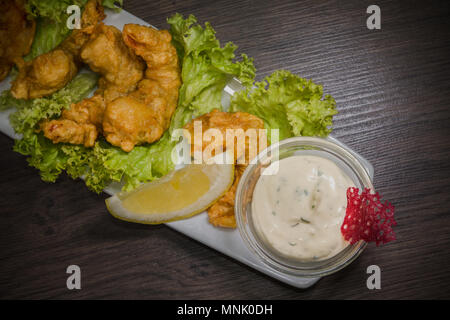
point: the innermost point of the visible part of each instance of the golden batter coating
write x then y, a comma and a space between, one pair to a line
139, 125
221, 213
16, 34
51, 71
127, 109
120, 69
107, 54
144, 115
80, 124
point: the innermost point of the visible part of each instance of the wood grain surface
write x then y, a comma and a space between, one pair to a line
392, 90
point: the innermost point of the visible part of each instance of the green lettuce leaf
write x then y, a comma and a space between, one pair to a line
142, 164
99, 165
51, 17
111, 4
54, 10
108, 163
51, 29
52, 159
206, 68
284, 101
49, 158
30, 112
48, 36
7, 101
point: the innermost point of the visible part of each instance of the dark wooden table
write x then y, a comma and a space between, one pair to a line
392, 91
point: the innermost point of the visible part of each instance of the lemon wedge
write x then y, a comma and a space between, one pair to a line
178, 195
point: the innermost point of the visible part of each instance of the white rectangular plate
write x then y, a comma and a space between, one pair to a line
226, 241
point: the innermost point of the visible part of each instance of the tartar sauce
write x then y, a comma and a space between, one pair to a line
299, 210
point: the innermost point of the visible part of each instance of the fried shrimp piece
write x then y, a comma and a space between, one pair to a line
120, 70
80, 124
233, 128
51, 71
63, 130
107, 54
44, 75
221, 213
128, 122
93, 14
16, 34
144, 115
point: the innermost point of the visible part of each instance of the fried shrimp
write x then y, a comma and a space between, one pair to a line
120, 72
51, 71
221, 213
107, 54
16, 34
128, 108
80, 124
144, 115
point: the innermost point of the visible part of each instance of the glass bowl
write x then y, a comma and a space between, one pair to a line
326, 148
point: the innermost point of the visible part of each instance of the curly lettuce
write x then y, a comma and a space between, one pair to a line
30, 112
99, 165
284, 101
56, 9
206, 68
51, 159
293, 105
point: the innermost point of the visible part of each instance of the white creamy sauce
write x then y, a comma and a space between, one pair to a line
299, 210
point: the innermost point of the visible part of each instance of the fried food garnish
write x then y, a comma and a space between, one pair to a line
221, 213
107, 54
16, 34
144, 115
44, 75
51, 71
80, 124
127, 109
120, 71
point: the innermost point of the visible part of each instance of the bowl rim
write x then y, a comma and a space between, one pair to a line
352, 251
